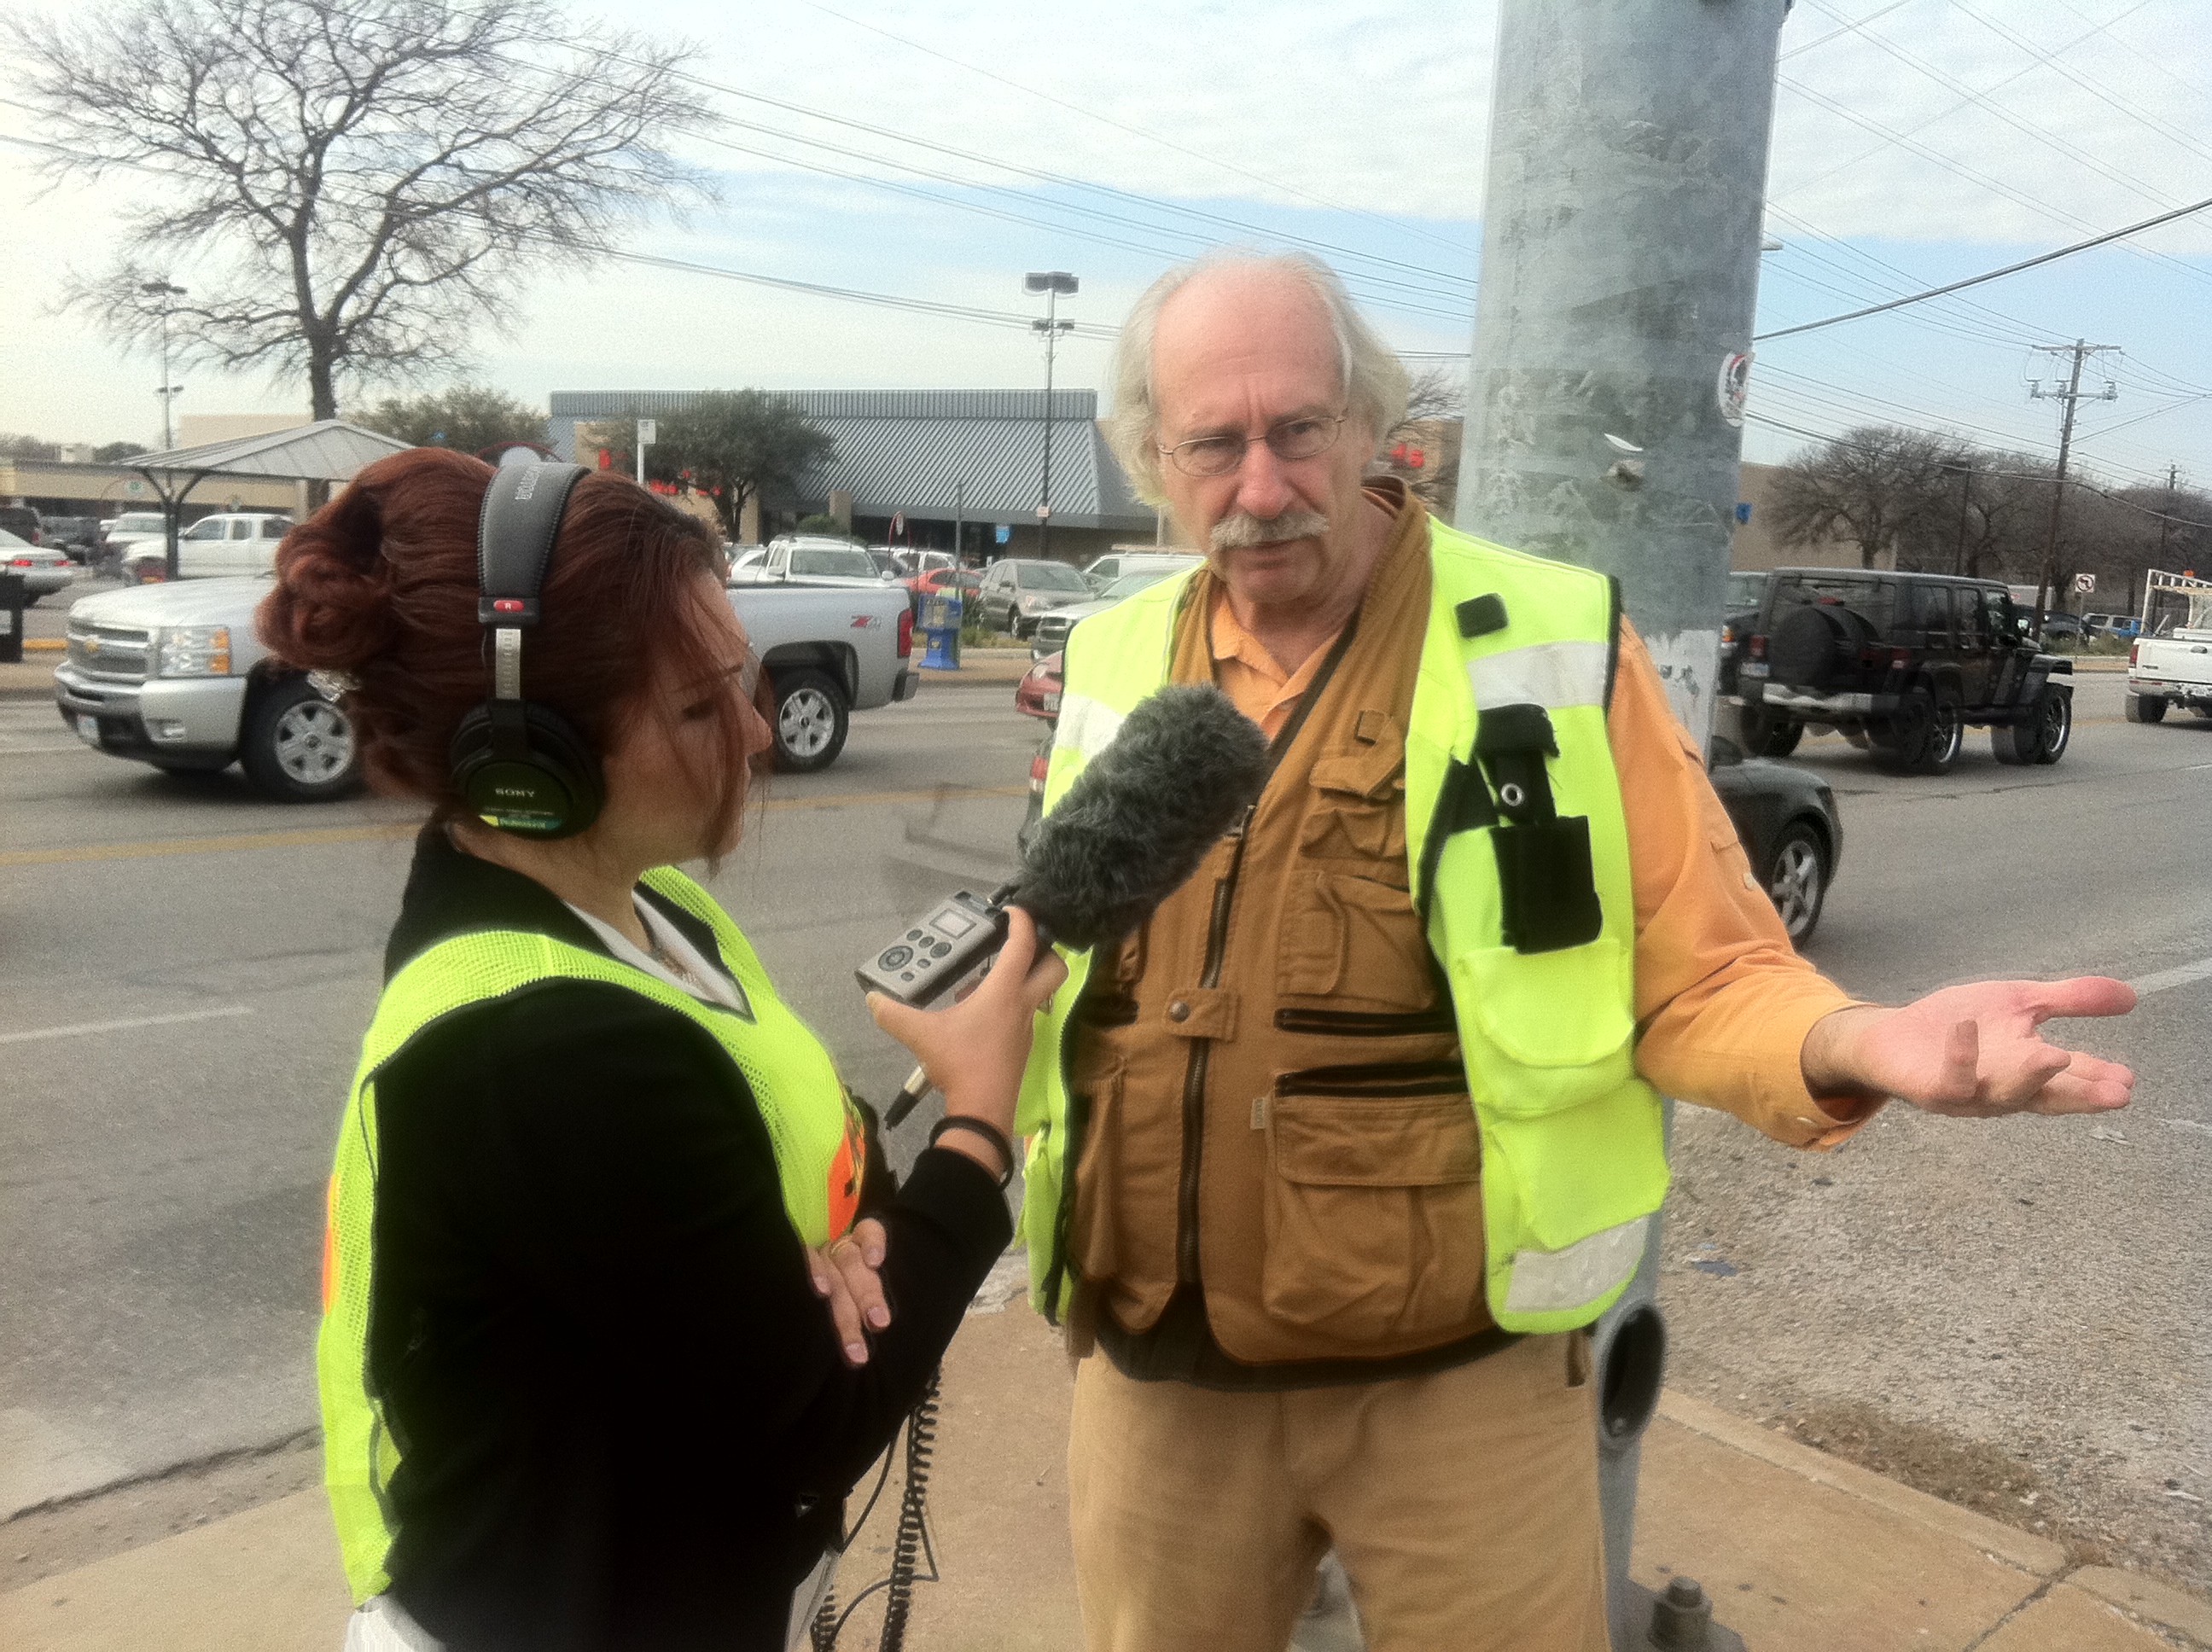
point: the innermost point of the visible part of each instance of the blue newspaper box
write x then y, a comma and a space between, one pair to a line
940, 630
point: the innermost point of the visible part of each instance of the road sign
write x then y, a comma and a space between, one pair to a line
648, 431
1043, 511
898, 522
2085, 583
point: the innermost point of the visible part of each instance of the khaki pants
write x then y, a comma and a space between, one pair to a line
1463, 1505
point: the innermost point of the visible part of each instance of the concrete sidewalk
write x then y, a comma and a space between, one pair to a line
1801, 1553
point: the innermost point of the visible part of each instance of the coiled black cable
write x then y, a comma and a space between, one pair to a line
910, 1540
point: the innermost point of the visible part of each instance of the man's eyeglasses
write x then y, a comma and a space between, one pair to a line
1293, 439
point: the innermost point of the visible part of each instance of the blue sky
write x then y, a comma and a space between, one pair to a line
1917, 141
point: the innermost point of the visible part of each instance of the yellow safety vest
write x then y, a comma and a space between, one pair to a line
1518, 656
819, 1140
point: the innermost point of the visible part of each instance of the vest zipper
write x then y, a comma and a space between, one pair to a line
1193, 1081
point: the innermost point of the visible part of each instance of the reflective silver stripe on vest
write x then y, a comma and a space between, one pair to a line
1550, 1280
1550, 674
1087, 725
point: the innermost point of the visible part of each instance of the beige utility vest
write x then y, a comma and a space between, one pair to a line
1279, 1110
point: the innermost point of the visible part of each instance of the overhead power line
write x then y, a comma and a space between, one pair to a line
1991, 275
1137, 132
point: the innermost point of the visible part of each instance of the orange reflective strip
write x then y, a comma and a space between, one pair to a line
331, 1244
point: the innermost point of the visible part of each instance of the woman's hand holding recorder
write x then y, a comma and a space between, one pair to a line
976, 1050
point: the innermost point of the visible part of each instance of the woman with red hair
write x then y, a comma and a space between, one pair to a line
619, 1296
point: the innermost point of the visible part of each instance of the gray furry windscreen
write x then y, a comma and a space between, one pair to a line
1141, 816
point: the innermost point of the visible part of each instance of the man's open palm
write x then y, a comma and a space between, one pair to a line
1976, 1051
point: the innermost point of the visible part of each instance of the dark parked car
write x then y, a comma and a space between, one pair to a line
1786, 817
2061, 628
77, 535
24, 523
1741, 606
1900, 663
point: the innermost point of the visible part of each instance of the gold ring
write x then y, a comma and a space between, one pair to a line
840, 1244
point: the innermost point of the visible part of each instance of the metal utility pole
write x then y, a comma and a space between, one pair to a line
1052, 284
1966, 503
2081, 350
1620, 244
168, 391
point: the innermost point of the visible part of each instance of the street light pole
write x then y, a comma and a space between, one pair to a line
165, 292
1052, 284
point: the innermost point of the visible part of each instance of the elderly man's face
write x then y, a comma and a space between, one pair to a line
1236, 354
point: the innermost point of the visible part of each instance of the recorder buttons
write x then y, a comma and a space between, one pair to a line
896, 957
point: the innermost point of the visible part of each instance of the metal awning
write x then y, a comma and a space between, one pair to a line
329, 450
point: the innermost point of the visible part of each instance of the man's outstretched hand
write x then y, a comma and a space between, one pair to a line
1975, 1051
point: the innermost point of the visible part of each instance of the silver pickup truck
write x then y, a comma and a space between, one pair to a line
173, 675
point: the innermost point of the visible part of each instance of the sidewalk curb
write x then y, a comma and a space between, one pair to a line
2159, 1602
2031, 1553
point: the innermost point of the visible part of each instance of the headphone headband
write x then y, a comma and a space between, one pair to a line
516, 533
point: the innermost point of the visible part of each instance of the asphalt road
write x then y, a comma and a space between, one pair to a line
2033, 1285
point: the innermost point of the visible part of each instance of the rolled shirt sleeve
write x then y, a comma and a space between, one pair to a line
1724, 1003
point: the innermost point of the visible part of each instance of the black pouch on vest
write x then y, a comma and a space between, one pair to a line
1546, 890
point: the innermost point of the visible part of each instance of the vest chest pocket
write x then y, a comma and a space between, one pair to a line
1560, 1018
1352, 941
1374, 1202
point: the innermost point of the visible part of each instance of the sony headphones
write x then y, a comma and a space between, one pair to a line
520, 766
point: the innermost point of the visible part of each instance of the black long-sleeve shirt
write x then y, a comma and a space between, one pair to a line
624, 1416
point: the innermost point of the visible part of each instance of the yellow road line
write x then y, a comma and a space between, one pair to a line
232, 842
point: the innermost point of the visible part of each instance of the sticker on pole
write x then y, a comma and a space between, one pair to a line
1733, 387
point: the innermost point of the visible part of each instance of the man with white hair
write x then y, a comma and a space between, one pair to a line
1339, 1156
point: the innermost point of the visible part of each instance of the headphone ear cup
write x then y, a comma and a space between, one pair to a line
554, 788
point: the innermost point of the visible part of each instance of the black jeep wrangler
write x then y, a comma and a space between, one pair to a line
1900, 663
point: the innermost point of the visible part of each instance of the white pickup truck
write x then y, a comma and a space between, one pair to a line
2173, 666
173, 676
809, 559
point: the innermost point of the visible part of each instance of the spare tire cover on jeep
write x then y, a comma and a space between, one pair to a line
1802, 650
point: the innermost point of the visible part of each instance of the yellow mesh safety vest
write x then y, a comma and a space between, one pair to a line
819, 1140
1573, 1157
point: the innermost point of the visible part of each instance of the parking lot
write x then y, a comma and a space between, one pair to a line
188, 971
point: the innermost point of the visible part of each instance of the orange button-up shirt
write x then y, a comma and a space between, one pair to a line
1723, 1000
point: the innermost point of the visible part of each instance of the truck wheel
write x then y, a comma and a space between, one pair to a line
1901, 743
1796, 877
2054, 725
811, 721
2146, 707
298, 747
1765, 735
1945, 736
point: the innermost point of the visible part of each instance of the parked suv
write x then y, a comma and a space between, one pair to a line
1900, 663
1016, 591
24, 522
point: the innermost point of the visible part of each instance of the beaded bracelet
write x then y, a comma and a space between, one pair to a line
982, 1127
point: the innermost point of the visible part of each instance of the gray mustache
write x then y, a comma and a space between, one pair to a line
1241, 529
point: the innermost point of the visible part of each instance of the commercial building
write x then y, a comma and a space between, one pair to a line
74, 485
951, 469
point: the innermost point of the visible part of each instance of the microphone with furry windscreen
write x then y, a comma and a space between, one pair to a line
1182, 771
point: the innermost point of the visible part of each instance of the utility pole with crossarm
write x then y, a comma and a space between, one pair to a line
2080, 350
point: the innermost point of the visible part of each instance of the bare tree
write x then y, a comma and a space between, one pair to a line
352, 191
1885, 489
1436, 403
